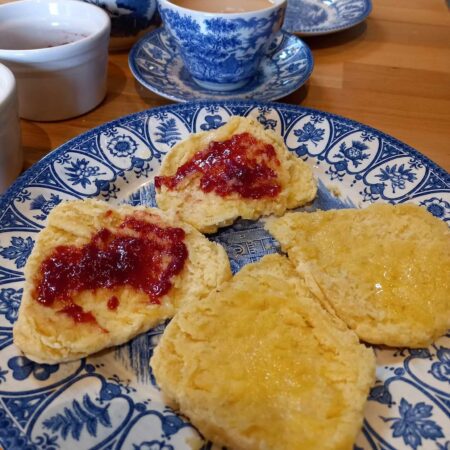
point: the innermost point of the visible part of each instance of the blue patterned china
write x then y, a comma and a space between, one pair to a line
155, 62
222, 51
129, 19
110, 400
313, 17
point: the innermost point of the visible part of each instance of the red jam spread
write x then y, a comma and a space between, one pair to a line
113, 303
77, 313
139, 254
242, 164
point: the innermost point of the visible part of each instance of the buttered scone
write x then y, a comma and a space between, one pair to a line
260, 365
237, 170
100, 275
383, 270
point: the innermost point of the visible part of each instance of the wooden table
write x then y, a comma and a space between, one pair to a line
391, 72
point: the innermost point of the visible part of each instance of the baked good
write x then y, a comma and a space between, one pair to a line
259, 364
384, 270
99, 275
237, 170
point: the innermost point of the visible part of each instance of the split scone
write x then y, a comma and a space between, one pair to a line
237, 170
383, 270
260, 365
100, 275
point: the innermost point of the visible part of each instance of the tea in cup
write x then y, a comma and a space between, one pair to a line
222, 42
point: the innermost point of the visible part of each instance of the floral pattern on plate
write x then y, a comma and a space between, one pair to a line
111, 400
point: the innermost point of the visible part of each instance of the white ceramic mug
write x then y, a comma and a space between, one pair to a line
11, 157
58, 52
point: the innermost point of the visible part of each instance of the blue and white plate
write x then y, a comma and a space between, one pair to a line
110, 401
314, 17
156, 63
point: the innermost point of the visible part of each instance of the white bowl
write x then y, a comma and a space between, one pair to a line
11, 158
58, 51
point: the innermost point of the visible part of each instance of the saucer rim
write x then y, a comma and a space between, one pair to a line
321, 31
135, 72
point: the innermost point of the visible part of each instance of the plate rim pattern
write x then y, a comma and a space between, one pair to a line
25, 176
293, 118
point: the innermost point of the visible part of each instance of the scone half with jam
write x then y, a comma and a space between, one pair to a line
260, 365
99, 275
384, 270
238, 170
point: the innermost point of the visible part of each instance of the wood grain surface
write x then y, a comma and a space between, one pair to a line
391, 72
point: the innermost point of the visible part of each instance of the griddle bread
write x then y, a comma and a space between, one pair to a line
259, 364
46, 335
208, 211
384, 270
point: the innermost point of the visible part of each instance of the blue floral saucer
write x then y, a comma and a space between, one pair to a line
156, 63
110, 401
313, 17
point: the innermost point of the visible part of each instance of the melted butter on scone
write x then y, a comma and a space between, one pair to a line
384, 270
99, 276
259, 364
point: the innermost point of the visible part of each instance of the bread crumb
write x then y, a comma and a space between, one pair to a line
334, 190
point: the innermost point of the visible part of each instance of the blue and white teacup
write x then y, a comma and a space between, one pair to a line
130, 19
222, 51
